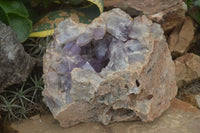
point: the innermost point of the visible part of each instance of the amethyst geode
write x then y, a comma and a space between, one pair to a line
114, 69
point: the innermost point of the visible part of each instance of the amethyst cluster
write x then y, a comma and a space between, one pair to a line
105, 71
108, 42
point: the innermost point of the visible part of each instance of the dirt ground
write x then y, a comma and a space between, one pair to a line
181, 117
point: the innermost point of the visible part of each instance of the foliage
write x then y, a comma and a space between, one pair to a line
15, 14
22, 101
46, 3
76, 2
36, 47
196, 13
189, 3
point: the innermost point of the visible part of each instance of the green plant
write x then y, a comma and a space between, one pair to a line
15, 14
195, 14
21, 93
8, 107
37, 86
22, 101
46, 3
24, 112
36, 47
189, 3
74, 2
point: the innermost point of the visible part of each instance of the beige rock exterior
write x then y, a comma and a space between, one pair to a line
190, 94
187, 69
179, 42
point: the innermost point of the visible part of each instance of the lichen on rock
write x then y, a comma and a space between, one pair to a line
114, 69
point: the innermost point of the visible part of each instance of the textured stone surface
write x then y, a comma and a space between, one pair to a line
179, 42
190, 93
15, 63
114, 69
168, 13
181, 117
187, 69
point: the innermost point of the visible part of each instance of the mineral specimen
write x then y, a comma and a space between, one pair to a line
114, 69
15, 63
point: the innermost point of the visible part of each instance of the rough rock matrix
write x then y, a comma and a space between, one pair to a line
115, 69
168, 13
187, 69
15, 63
190, 93
179, 42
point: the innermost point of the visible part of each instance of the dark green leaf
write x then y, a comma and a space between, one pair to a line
46, 3
21, 25
3, 16
196, 17
76, 2
16, 7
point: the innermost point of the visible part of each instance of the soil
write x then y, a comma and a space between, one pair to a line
181, 117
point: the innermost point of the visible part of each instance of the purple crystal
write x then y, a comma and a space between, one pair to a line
98, 28
98, 33
101, 47
133, 45
96, 64
118, 59
62, 69
87, 66
84, 38
118, 26
71, 49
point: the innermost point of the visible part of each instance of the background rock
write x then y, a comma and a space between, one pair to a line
179, 42
190, 93
137, 82
169, 13
187, 69
195, 47
15, 63
181, 117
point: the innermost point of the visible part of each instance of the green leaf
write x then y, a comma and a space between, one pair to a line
21, 25
45, 26
16, 7
196, 17
76, 2
4, 17
46, 3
